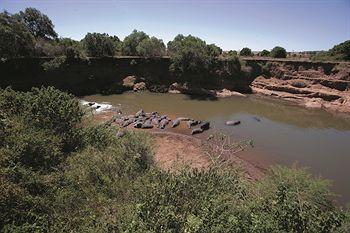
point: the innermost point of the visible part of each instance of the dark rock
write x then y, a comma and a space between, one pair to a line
91, 103
138, 124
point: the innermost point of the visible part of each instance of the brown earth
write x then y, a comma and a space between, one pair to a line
312, 87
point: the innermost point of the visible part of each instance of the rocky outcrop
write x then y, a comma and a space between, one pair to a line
311, 85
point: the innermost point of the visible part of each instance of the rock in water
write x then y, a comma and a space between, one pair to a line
205, 125
233, 122
197, 130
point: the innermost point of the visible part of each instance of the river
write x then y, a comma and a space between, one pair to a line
283, 133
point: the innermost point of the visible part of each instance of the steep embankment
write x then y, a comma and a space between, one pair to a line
311, 84
112, 75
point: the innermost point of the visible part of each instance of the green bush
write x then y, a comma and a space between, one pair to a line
191, 55
151, 47
103, 184
278, 52
99, 45
265, 53
54, 64
246, 52
132, 41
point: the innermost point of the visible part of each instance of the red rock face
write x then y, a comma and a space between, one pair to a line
308, 86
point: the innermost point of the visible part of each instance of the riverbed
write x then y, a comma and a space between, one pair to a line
282, 133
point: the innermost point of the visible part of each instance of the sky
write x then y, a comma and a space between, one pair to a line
297, 25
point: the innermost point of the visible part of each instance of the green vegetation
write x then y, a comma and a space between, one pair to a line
278, 52
246, 52
60, 173
99, 45
340, 52
265, 53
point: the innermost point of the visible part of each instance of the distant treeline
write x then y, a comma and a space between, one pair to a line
31, 33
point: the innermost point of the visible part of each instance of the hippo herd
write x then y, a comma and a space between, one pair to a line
144, 120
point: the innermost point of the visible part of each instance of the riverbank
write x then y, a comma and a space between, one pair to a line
176, 147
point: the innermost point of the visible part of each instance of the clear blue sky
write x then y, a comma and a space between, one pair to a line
294, 24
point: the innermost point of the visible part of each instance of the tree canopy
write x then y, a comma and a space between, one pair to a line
278, 52
342, 51
131, 42
246, 52
37, 23
15, 38
190, 54
99, 44
265, 53
151, 47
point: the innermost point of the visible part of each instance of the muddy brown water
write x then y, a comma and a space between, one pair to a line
283, 133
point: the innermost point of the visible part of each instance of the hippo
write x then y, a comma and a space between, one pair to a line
257, 119
120, 133
197, 130
163, 123
98, 106
147, 125
126, 123
91, 103
205, 125
233, 122
191, 123
155, 121
140, 113
138, 124
176, 122
163, 117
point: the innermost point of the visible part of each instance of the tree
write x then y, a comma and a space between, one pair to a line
15, 38
151, 47
39, 24
99, 44
232, 53
278, 52
265, 53
341, 51
214, 50
246, 52
189, 54
131, 42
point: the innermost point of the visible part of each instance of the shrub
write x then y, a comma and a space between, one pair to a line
131, 42
54, 63
15, 38
278, 52
246, 52
99, 44
341, 51
265, 53
151, 47
189, 55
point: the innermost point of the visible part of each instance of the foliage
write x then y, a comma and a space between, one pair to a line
265, 53
190, 55
342, 50
245, 52
214, 50
99, 44
132, 41
278, 52
232, 53
53, 64
151, 47
15, 39
39, 24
